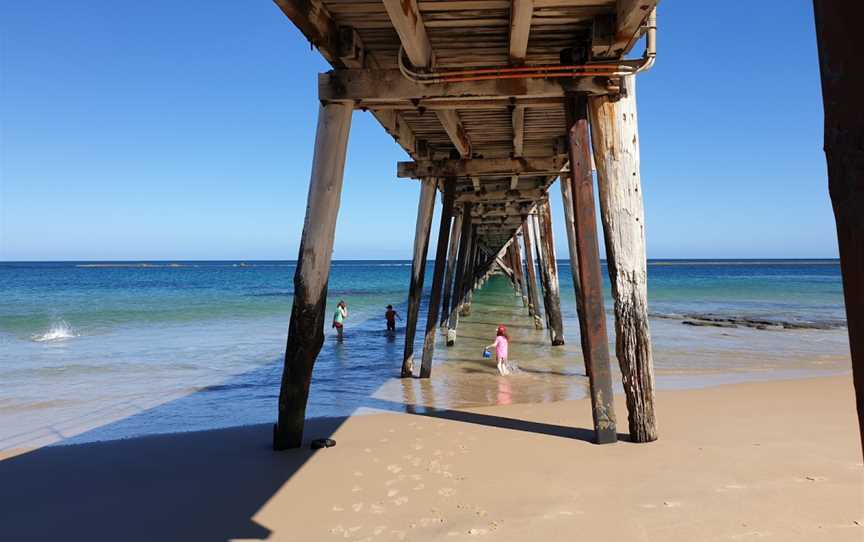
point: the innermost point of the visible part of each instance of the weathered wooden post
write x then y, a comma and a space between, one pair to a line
841, 48
517, 254
541, 278
567, 201
593, 323
425, 209
464, 242
455, 229
470, 276
551, 291
615, 138
437, 277
306, 328
533, 298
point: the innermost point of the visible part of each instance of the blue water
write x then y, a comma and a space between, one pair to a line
166, 346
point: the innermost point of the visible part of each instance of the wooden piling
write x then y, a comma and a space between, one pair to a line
533, 298
593, 323
455, 230
437, 277
306, 327
464, 241
541, 277
470, 277
551, 291
520, 272
841, 48
425, 209
567, 202
615, 139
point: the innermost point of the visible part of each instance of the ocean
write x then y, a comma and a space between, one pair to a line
104, 350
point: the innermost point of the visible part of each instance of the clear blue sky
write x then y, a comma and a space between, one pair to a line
184, 130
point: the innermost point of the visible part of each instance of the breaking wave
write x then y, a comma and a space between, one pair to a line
59, 331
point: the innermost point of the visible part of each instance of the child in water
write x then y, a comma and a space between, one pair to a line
391, 317
501, 344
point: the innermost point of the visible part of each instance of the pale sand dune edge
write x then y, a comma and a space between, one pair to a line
769, 460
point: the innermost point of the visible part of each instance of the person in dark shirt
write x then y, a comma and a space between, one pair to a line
391, 317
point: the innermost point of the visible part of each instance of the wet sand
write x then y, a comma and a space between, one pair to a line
768, 460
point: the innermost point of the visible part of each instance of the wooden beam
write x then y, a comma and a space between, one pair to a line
451, 267
518, 121
313, 20
480, 167
406, 19
501, 196
472, 104
569, 226
456, 131
552, 290
593, 323
841, 48
629, 17
456, 298
306, 328
517, 264
521, 12
533, 298
387, 85
615, 138
437, 279
425, 209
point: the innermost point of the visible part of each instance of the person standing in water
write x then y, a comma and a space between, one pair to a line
391, 317
339, 317
501, 344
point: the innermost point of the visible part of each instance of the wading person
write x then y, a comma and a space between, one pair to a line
339, 317
501, 345
391, 316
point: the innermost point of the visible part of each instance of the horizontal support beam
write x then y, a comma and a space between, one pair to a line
473, 104
389, 85
512, 196
477, 167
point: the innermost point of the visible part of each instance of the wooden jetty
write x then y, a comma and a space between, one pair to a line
492, 101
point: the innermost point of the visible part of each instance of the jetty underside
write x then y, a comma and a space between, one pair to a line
492, 102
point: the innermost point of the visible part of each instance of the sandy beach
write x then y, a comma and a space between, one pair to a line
767, 460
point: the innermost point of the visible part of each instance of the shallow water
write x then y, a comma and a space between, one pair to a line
100, 351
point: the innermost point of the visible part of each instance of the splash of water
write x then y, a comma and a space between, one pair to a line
60, 330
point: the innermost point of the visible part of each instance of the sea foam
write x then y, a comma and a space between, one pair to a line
59, 331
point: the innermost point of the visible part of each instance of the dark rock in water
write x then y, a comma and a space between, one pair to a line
709, 323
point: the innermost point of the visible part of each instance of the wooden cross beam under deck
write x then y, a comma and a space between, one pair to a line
479, 167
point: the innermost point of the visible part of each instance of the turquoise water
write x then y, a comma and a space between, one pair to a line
168, 346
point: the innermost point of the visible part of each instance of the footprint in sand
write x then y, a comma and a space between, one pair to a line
400, 501
671, 504
337, 508
357, 506
356, 489
476, 532
392, 492
379, 529
419, 487
395, 469
376, 509
446, 491
731, 487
